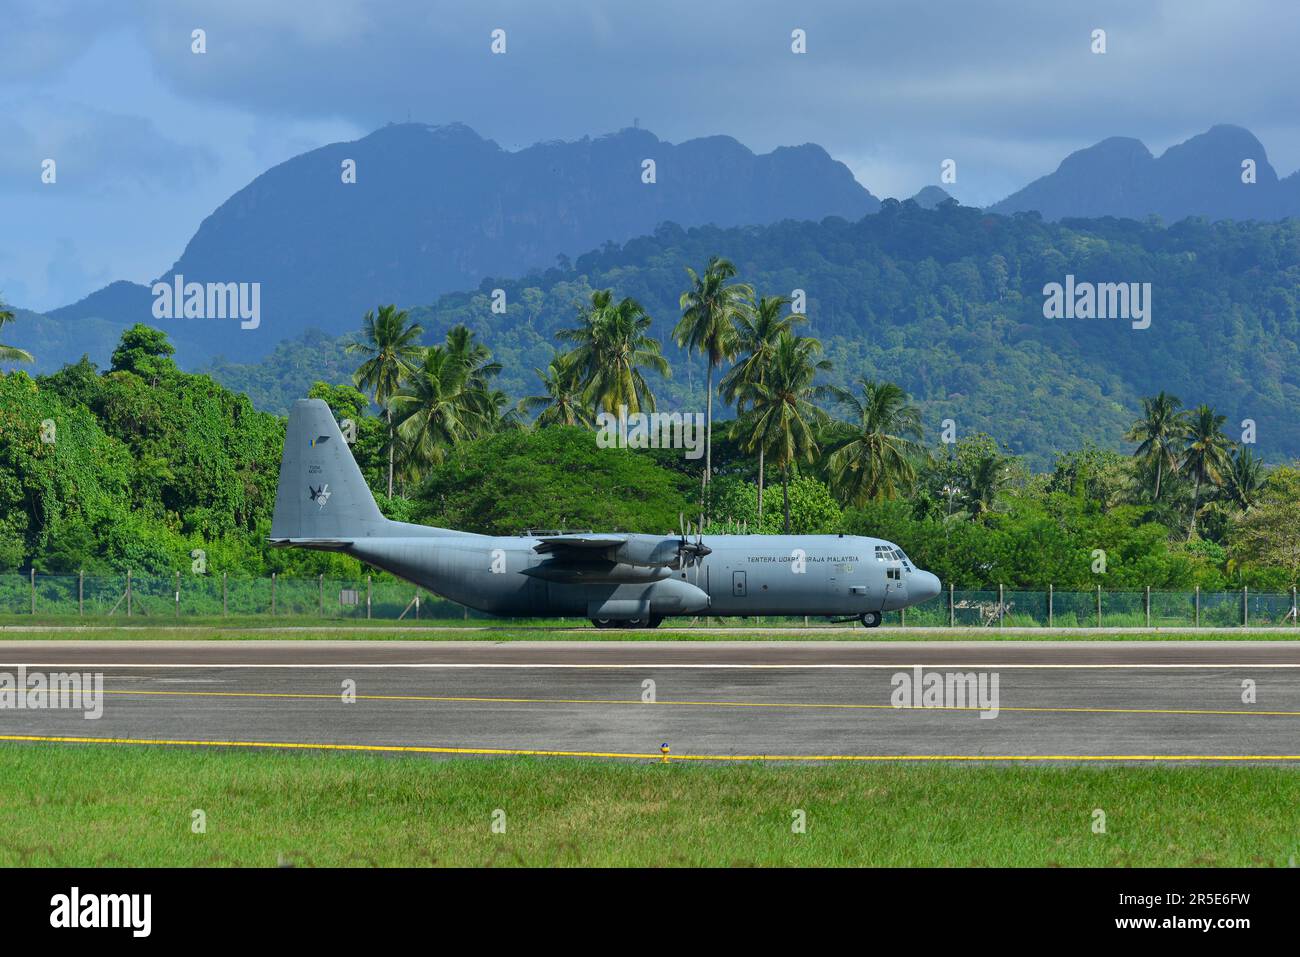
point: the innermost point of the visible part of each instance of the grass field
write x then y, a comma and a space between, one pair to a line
487, 630
105, 805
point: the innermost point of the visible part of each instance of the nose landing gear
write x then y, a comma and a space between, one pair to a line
869, 619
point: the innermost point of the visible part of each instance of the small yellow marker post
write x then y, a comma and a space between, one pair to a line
664, 750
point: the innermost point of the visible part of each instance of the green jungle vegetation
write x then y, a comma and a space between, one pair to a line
141, 465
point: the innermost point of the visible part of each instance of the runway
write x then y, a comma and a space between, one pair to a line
1041, 701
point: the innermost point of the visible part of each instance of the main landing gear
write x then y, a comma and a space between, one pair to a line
870, 619
651, 622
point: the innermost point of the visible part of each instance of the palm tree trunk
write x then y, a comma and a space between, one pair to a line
392, 440
1196, 497
760, 489
708, 436
1159, 468
785, 493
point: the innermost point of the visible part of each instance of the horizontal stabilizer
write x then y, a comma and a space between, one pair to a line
324, 544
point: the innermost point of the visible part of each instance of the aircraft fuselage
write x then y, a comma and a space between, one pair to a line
743, 575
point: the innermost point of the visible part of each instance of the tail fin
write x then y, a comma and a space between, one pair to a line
322, 498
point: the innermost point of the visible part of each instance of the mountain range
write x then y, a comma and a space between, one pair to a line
435, 209
1203, 176
439, 216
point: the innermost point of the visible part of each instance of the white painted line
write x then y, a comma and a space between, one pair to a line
704, 666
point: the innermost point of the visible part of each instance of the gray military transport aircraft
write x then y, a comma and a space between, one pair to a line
618, 580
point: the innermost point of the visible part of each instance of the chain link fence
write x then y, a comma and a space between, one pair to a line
1007, 608
146, 599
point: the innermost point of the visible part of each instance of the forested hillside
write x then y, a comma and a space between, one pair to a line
949, 304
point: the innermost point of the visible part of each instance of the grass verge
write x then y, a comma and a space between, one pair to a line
107, 805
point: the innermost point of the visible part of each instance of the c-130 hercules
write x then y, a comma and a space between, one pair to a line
616, 579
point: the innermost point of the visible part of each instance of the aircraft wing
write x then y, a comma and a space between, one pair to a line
555, 543
631, 549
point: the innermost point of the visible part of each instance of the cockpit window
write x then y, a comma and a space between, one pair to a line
891, 553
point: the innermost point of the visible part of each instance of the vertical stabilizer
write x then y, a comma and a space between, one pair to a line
322, 494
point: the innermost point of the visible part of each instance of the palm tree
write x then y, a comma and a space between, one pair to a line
782, 419
480, 368
390, 342
988, 475
498, 414
561, 403
613, 344
710, 310
1206, 455
1245, 478
437, 408
877, 449
11, 353
1159, 434
474, 355
757, 330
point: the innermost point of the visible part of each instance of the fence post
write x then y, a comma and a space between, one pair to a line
177, 611
902, 617
1294, 616
1098, 605
1148, 606
81, 592
1245, 605
128, 593
320, 598
272, 594
32, 590
952, 615
1002, 608
223, 594
1198, 606
367, 597
1049, 605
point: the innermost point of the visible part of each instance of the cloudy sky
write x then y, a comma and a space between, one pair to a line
150, 137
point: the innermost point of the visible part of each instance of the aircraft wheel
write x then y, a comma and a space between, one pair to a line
638, 623
870, 619
655, 621
604, 622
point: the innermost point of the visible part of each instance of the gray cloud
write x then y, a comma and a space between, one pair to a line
94, 150
1005, 87
1013, 84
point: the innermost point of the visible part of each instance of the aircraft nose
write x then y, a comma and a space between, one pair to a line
923, 586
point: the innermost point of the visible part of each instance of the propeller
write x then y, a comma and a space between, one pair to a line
690, 553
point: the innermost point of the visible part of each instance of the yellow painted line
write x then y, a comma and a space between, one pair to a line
425, 749
689, 704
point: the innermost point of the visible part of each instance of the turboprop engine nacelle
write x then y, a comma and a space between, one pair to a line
647, 550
